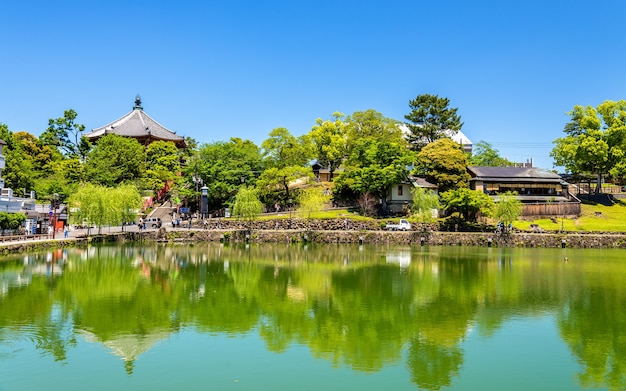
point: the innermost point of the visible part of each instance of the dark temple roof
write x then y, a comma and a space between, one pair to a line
139, 125
513, 174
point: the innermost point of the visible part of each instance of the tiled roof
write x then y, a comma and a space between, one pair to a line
504, 174
137, 124
421, 182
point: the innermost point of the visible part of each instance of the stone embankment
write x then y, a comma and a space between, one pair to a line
431, 238
372, 232
330, 231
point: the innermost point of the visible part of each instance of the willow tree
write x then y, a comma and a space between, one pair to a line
102, 205
424, 203
247, 204
312, 200
508, 208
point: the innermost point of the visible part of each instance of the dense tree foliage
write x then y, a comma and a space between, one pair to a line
424, 203
508, 208
11, 220
312, 200
365, 152
468, 203
101, 205
430, 119
595, 141
330, 141
275, 184
162, 165
484, 154
247, 204
224, 167
67, 135
373, 167
286, 160
282, 149
372, 124
443, 163
115, 160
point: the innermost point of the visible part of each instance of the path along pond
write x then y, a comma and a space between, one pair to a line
313, 317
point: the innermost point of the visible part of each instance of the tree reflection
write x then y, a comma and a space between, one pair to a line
355, 307
432, 365
592, 322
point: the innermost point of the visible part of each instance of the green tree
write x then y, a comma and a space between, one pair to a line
11, 220
162, 165
282, 149
330, 140
223, 167
115, 160
468, 203
595, 141
443, 163
312, 200
19, 171
64, 133
370, 124
430, 119
286, 160
508, 208
102, 205
31, 165
373, 167
424, 202
247, 204
485, 155
276, 182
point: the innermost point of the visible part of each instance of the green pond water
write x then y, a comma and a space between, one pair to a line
317, 317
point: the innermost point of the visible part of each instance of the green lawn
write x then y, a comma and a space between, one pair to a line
594, 218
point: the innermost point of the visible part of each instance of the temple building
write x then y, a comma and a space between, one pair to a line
138, 125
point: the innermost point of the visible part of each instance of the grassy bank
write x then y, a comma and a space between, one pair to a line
594, 218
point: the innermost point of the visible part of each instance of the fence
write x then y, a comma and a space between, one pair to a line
586, 188
552, 209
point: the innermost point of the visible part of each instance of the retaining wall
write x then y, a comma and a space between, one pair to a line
601, 240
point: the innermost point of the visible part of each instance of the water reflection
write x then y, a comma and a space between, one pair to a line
360, 307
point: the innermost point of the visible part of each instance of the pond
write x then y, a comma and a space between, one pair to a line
316, 317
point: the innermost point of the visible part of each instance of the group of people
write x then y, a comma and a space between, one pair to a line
66, 231
176, 222
501, 228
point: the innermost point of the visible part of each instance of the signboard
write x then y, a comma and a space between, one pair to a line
184, 210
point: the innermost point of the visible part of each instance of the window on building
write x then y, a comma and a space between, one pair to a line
399, 190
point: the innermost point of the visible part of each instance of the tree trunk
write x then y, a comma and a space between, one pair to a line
599, 183
286, 185
383, 206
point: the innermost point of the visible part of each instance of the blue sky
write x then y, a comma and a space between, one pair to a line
215, 70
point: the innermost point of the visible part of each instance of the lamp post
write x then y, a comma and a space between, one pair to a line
205, 201
290, 201
55, 204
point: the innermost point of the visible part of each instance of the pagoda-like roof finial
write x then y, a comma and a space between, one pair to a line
138, 103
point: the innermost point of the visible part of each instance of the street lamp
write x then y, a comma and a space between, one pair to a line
205, 201
55, 204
